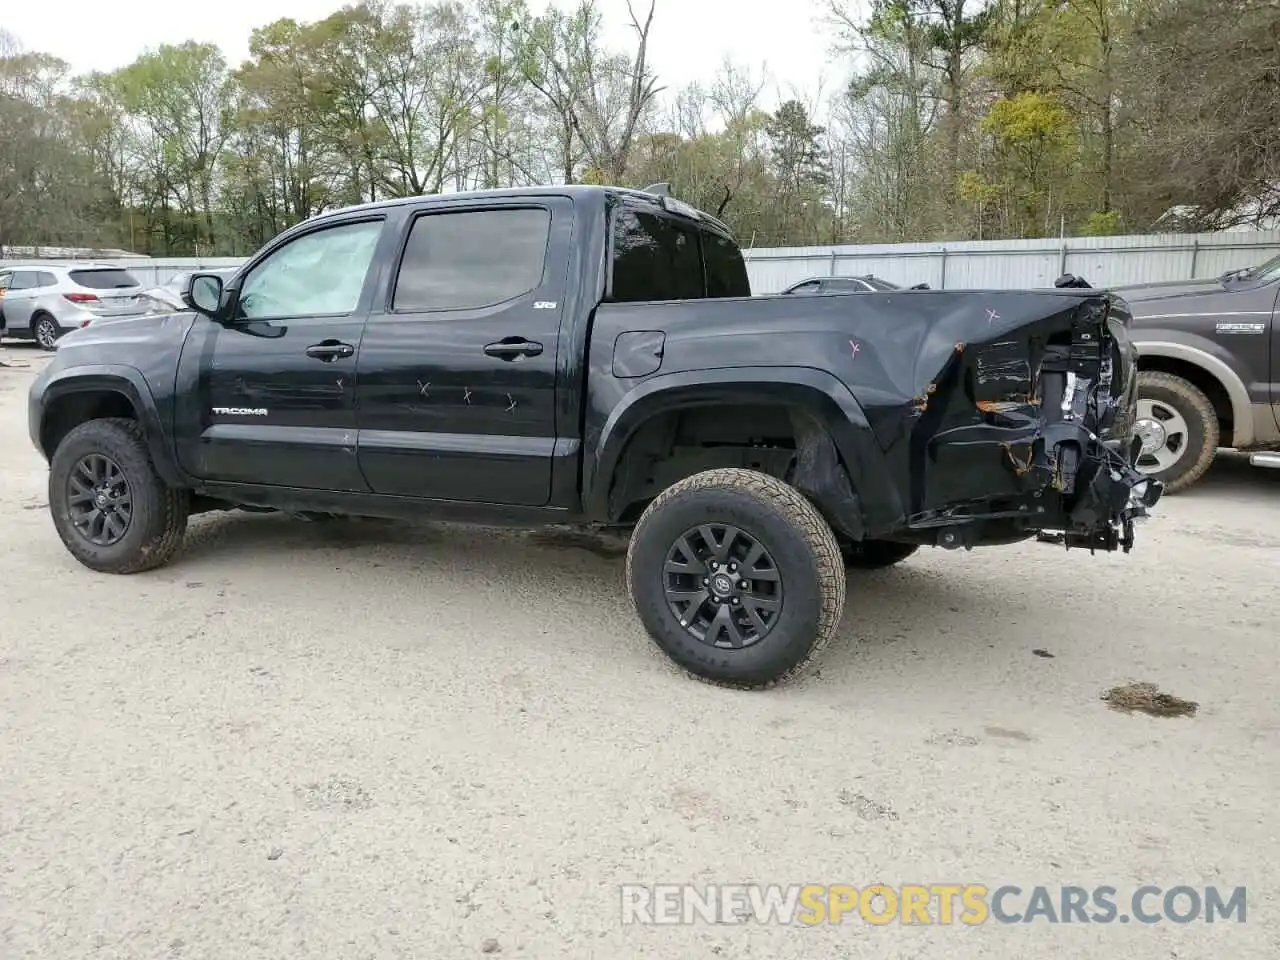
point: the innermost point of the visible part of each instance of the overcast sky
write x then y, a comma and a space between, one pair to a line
690, 38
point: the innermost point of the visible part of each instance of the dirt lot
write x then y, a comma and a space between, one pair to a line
362, 740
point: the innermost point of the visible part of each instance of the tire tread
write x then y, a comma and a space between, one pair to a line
173, 507
797, 509
1207, 416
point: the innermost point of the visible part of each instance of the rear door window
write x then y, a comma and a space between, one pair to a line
47, 280
471, 259
104, 279
654, 258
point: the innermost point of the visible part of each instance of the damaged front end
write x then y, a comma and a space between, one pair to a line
1028, 427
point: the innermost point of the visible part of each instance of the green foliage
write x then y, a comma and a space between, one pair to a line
1109, 224
1029, 122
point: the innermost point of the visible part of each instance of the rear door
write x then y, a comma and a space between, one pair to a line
1274, 351
6, 277
19, 299
458, 364
269, 396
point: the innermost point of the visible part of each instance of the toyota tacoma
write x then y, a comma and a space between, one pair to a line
593, 355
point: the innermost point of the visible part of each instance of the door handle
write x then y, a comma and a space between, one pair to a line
330, 350
513, 348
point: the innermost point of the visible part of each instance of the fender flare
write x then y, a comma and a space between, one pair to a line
820, 396
1237, 393
128, 382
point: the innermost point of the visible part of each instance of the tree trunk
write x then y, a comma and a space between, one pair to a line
1108, 108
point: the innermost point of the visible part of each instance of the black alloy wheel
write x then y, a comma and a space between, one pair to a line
723, 586
99, 500
737, 577
110, 507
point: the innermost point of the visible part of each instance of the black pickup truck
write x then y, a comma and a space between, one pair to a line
593, 355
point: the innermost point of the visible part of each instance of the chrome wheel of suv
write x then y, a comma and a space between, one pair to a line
1163, 432
46, 331
1178, 429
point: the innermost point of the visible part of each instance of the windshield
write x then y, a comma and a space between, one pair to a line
1264, 272
881, 284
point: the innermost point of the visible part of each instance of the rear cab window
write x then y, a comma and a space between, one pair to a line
659, 256
103, 278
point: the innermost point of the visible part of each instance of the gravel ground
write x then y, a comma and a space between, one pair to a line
366, 740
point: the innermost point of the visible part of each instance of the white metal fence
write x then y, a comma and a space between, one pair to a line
1018, 264
995, 264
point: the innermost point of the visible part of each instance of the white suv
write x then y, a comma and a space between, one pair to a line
42, 301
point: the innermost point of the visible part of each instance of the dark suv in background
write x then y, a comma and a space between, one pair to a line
863, 284
1209, 361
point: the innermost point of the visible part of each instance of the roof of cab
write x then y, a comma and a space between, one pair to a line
567, 190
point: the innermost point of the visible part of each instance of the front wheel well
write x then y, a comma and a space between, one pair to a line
65, 413
1203, 381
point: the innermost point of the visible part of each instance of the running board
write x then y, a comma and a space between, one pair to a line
1271, 460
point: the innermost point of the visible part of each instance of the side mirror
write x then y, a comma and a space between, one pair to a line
203, 292
920, 286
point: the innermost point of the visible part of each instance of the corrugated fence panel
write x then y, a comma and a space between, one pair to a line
155, 272
1003, 264
992, 264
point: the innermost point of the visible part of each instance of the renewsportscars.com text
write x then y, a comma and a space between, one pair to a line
968, 904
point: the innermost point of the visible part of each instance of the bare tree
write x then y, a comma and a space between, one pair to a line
600, 97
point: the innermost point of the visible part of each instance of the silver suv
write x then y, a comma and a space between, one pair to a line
42, 301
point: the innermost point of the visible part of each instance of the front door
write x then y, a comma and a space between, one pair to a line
1274, 351
273, 389
18, 289
458, 364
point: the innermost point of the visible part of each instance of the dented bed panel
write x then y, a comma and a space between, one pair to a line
1008, 406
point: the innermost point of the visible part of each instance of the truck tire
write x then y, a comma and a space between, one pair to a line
109, 506
875, 554
1178, 427
736, 577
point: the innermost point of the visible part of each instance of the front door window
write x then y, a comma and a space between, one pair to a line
319, 274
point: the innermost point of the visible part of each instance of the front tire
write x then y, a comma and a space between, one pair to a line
109, 506
1178, 428
736, 577
46, 331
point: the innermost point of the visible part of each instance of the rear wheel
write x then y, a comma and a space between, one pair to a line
1178, 428
46, 330
736, 577
112, 511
